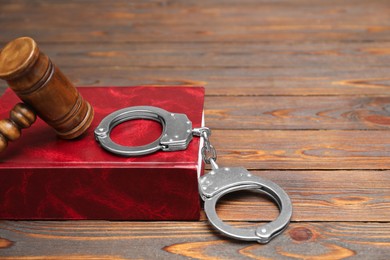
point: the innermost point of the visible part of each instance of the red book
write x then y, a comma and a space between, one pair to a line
44, 177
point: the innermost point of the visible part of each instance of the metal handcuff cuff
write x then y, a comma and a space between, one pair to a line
177, 133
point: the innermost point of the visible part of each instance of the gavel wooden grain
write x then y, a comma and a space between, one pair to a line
44, 90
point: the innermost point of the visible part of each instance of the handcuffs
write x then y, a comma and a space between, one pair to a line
177, 133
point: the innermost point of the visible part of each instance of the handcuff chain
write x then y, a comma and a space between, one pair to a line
177, 134
209, 154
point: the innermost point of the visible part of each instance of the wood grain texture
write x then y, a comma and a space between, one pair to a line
40, 84
297, 113
163, 240
221, 54
243, 81
316, 196
251, 48
297, 91
216, 21
312, 149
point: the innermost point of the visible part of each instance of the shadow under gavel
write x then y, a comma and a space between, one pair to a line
45, 91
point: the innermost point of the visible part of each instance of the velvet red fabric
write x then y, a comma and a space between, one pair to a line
44, 177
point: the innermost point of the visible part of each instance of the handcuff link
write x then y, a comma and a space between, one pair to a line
177, 133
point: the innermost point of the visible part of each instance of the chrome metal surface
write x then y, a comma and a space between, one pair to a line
221, 181
208, 151
176, 133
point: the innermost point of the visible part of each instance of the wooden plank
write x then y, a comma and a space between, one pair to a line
316, 196
335, 55
199, 33
183, 240
303, 149
297, 112
275, 149
241, 81
265, 15
178, 21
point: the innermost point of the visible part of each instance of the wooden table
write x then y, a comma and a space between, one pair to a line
297, 91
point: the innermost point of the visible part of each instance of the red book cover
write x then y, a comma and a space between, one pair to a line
44, 177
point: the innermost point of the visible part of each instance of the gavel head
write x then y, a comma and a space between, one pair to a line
43, 87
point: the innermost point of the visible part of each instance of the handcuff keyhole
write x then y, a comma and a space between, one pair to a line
247, 206
136, 132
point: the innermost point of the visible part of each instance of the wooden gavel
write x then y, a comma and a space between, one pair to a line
45, 91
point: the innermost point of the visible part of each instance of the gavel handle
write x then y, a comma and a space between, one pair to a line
21, 116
